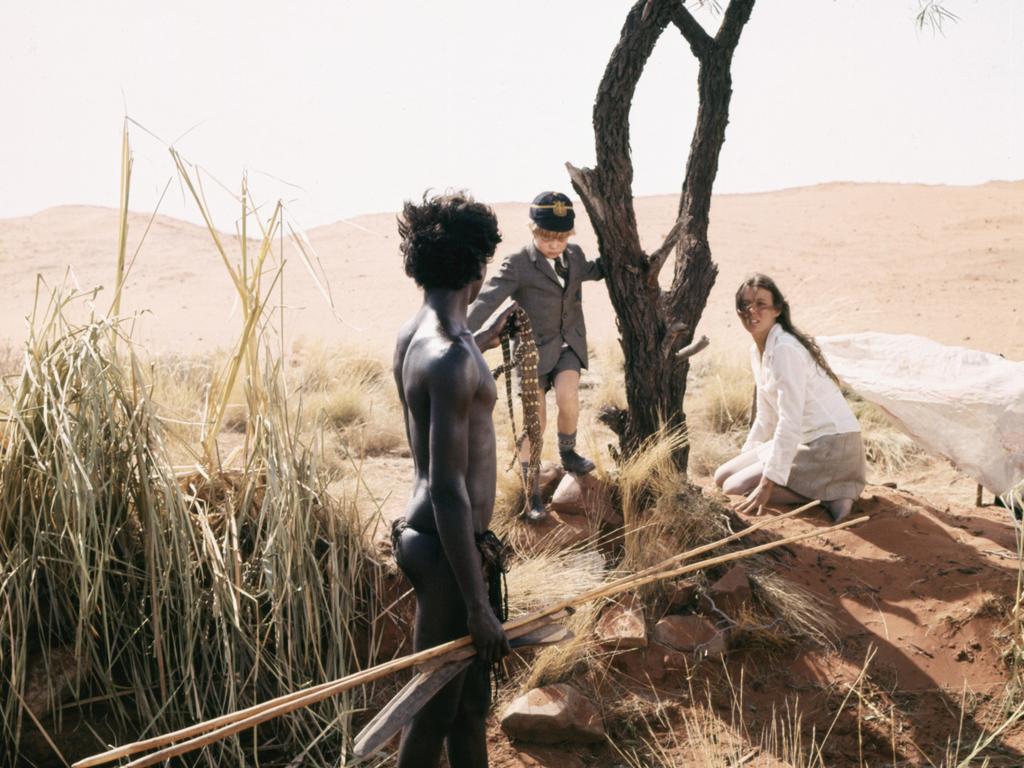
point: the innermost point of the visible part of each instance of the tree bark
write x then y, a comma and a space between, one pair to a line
655, 324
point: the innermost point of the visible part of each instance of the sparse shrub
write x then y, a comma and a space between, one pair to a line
351, 393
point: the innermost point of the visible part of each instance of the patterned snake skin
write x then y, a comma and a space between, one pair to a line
526, 358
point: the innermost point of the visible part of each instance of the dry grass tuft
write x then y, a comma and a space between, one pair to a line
532, 584
611, 389
719, 397
793, 615
888, 449
352, 393
664, 513
725, 394
576, 656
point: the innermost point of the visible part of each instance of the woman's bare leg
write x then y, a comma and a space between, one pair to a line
734, 465
741, 475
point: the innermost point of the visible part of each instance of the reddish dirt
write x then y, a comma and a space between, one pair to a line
925, 590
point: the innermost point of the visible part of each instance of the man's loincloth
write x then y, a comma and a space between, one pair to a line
493, 552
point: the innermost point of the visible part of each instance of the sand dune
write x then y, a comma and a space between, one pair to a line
944, 262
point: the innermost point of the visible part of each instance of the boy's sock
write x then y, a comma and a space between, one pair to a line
572, 461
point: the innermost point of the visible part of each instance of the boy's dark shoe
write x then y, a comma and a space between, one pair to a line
573, 462
535, 511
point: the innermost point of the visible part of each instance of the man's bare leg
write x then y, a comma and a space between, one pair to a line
457, 714
467, 739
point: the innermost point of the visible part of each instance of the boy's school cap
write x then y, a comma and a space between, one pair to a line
552, 211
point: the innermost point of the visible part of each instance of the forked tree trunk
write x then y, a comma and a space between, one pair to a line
654, 325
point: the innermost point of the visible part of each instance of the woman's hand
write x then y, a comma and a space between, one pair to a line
490, 337
758, 498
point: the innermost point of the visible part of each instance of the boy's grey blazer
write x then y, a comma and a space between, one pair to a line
529, 279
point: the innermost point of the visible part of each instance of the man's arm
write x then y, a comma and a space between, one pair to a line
498, 287
453, 381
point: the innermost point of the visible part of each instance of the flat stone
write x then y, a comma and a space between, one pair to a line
568, 497
621, 627
680, 594
586, 495
554, 714
642, 664
557, 530
730, 594
690, 634
550, 476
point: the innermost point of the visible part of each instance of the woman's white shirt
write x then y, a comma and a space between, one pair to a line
796, 403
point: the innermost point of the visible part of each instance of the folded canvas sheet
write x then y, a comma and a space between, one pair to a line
965, 405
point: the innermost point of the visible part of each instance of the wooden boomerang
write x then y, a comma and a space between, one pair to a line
422, 688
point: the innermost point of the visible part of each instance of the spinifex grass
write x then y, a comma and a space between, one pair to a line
134, 601
175, 609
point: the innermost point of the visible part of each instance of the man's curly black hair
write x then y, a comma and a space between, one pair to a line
447, 239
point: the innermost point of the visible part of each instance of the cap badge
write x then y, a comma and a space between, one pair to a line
559, 208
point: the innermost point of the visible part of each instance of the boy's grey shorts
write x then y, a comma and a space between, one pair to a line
567, 361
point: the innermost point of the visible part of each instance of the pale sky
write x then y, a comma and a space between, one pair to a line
363, 104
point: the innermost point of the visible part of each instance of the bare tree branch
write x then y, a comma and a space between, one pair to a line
672, 335
657, 259
693, 348
700, 41
736, 16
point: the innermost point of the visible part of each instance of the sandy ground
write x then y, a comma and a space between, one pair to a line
943, 262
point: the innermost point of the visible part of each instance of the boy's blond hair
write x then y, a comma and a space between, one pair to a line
549, 234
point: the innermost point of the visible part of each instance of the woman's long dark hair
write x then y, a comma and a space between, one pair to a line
758, 280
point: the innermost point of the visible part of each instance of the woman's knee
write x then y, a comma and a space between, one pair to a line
722, 474
737, 485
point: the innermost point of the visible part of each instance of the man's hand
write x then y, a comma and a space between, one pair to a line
755, 502
490, 337
488, 635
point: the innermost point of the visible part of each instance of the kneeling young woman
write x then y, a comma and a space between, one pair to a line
805, 441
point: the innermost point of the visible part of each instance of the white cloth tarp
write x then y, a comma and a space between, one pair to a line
965, 405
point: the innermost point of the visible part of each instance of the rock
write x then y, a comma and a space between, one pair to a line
553, 714
642, 664
586, 495
540, 756
568, 497
690, 634
680, 594
550, 476
670, 659
556, 530
622, 627
730, 593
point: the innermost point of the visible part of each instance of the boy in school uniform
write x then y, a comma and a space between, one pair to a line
545, 278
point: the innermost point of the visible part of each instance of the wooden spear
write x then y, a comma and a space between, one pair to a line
218, 728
